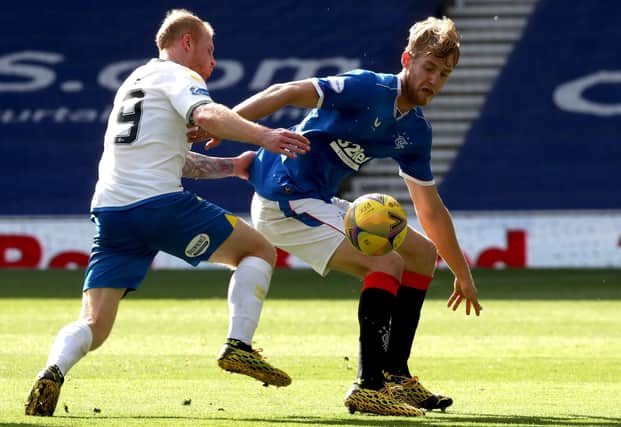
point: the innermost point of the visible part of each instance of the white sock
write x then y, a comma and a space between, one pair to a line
247, 290
71, 344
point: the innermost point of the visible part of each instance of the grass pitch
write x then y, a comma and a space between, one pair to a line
546, 351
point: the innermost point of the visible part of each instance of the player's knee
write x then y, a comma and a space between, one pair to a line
429, 253
259, 247
267, 252
391, 263
421, 257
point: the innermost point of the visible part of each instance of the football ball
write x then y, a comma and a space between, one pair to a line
375, 224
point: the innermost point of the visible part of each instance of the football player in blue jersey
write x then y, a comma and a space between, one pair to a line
356, 117
140, 208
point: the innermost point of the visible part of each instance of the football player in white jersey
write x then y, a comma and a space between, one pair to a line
140, 208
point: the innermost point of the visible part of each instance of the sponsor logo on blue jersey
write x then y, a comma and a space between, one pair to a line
199, 91
351, 154
400, 142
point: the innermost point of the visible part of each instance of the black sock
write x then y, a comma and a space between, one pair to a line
374, 311
238, 344
405, 317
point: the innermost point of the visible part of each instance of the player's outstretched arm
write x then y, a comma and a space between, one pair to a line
223, 123
438, 225
199, 166
300, 93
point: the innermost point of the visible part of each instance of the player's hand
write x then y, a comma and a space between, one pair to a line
197, 134
465, 290
242, 163
283, 141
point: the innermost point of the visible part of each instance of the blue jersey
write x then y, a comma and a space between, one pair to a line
355, 121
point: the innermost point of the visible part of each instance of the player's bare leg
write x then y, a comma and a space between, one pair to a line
99, 308
253, 259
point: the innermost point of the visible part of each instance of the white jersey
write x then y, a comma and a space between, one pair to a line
145, 143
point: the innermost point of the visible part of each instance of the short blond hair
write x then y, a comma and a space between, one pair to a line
434, 36
178, 22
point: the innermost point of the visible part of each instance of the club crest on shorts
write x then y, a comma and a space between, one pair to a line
198, 245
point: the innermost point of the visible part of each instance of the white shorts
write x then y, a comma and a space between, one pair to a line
310, 229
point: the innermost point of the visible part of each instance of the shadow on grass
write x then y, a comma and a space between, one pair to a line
464, 420
23, 424
525, 420
442, 420
518, 284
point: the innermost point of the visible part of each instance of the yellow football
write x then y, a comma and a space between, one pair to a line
376, 224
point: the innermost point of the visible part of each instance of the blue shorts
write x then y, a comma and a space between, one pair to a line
128, 238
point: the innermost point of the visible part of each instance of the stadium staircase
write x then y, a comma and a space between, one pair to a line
489, 29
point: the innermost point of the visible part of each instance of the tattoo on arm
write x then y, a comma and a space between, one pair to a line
199, 166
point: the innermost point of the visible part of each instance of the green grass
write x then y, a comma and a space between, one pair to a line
546, 351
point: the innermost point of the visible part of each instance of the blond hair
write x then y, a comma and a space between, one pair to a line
177, 23
434, 36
